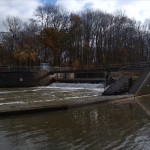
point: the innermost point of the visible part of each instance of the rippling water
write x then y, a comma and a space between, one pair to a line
56, 91
96, 127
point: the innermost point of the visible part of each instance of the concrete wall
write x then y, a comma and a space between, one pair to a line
63, 75
90, 75
23, 79
144, 88
142, 85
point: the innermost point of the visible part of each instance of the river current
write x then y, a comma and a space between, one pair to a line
110, 126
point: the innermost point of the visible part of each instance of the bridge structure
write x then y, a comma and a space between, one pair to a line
118, 83
121, 84
97, 68
100, 68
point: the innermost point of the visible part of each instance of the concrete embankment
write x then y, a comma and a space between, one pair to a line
142, 85
81, 80
37, 107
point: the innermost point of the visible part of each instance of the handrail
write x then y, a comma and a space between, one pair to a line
111, 79
20, 69
63, 69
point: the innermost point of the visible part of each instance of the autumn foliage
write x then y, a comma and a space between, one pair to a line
89, 38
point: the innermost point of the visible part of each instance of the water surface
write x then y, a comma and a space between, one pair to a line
97, 127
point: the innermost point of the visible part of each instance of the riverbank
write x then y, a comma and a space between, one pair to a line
38, 107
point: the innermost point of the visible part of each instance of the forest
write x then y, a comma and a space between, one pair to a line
89, 38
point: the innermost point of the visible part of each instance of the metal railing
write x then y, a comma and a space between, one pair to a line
20, 69
116, 75
113, 77
63, 69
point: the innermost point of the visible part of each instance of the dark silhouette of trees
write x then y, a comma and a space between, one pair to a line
85, 39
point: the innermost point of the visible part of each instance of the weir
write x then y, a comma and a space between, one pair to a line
130, 85
123, 88
40, 76
122, 84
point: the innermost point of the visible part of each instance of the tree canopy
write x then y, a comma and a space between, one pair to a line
85, 39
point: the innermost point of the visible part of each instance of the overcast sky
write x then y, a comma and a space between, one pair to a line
138, 9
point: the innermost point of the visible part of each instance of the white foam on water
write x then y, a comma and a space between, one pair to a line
79, 97
55, 91
7, 92
76, 86
9, 103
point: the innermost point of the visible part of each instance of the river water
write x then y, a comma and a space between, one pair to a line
110, 126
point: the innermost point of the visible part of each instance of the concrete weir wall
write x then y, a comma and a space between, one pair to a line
23, 79
142, 85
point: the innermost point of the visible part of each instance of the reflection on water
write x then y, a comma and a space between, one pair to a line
102, 126
96, 127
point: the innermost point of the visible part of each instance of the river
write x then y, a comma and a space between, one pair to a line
109, 126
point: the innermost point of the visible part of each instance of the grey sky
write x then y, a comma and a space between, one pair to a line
21, 8
138, 9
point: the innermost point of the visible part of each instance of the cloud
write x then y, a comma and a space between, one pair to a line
88, 5
71, 5
138, 9
21, 8
78, 5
